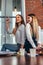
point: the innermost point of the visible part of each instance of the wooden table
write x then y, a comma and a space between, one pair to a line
21, 60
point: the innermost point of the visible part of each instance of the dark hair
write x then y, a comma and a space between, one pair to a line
22, 21
31, 14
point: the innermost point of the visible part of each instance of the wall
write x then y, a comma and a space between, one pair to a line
36, 7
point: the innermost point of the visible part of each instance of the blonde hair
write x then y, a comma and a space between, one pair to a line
35, 27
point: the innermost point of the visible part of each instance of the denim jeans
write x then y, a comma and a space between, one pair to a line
11, 47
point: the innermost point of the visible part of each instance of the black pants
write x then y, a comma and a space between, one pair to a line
28, 44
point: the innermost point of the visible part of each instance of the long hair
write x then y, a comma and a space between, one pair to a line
22, 20
35, 27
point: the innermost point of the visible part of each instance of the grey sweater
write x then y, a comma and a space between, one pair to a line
20, 34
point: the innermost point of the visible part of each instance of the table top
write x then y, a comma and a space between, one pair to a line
21, 60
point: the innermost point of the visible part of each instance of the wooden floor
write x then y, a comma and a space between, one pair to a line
21, 60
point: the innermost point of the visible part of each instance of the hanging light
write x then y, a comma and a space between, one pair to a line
15, 8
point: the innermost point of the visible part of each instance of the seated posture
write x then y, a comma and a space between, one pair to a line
19, 32
33, 31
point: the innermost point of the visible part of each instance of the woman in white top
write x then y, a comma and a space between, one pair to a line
19, 32
33, 31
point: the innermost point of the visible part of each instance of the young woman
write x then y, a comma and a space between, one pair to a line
33, 31
19, 32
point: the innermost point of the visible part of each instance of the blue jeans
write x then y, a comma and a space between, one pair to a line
11, 47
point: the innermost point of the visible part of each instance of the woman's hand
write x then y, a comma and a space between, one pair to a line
38, 47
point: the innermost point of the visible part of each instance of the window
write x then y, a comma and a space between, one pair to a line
0, 28
7, 10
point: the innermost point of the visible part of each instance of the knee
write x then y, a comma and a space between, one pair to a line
4, 45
